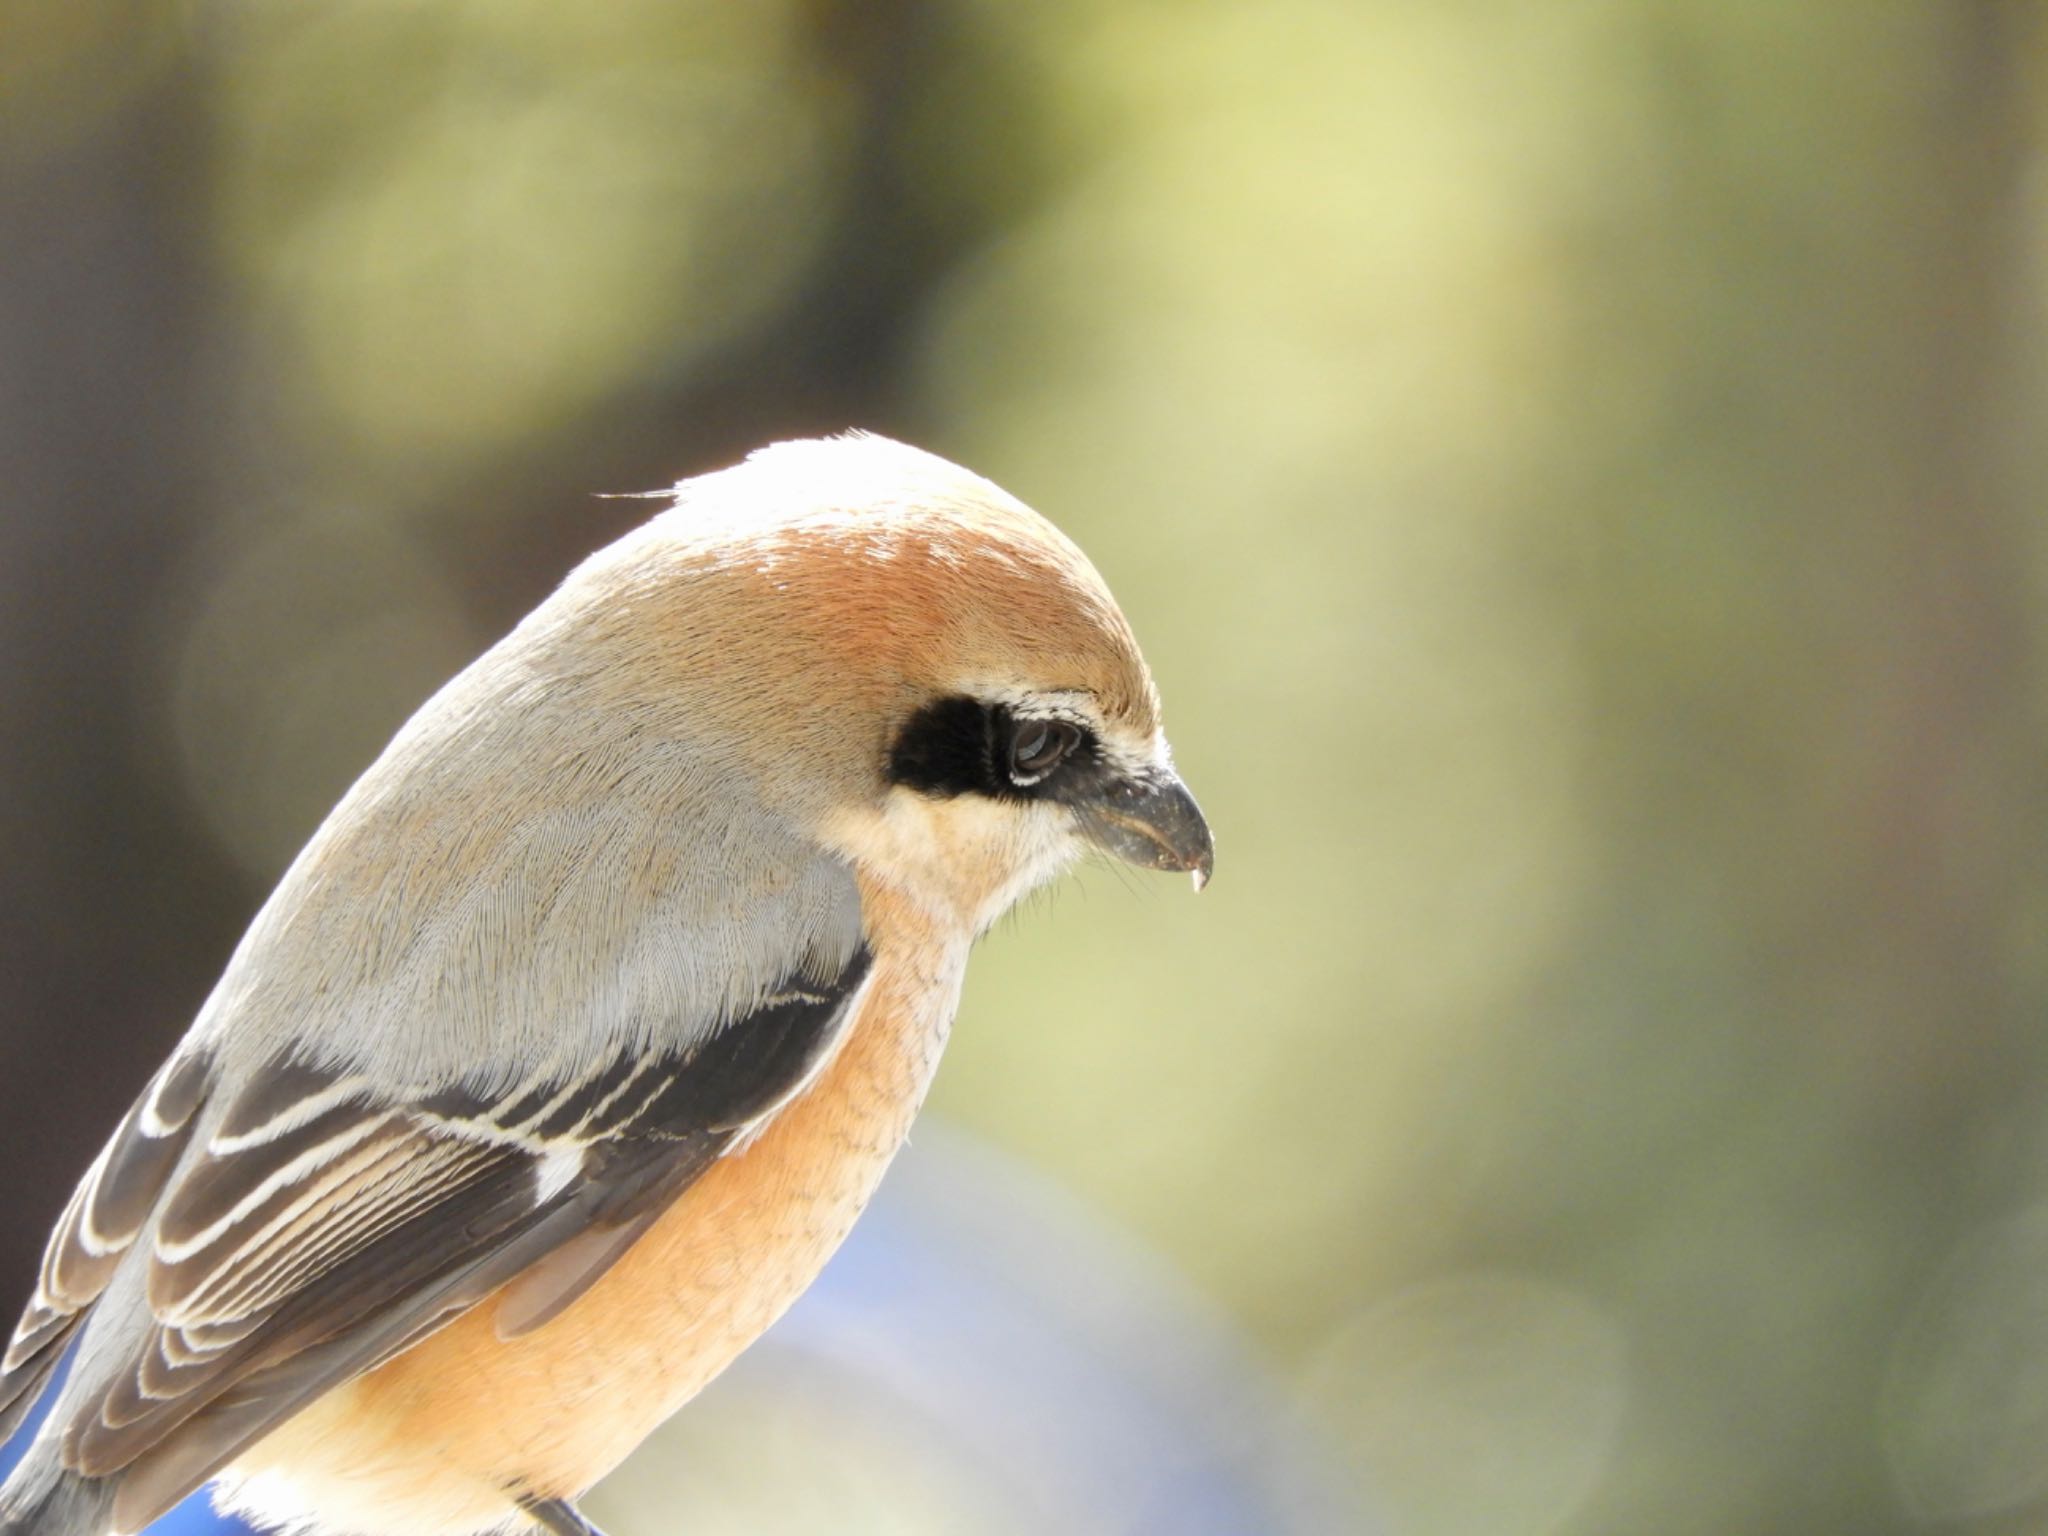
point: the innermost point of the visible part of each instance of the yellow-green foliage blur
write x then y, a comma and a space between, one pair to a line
1579, 471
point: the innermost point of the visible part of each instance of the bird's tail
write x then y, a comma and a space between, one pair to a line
63, 1505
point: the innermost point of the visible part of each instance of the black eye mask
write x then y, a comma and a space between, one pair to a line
964, 746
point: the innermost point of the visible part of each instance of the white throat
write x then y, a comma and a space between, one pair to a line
965, 861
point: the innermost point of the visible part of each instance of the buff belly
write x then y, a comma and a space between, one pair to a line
552, 1411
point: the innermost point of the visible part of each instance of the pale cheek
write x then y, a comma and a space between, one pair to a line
967, 858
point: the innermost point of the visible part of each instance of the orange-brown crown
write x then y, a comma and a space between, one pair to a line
832, 586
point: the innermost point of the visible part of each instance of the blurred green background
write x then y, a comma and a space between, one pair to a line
1578, 470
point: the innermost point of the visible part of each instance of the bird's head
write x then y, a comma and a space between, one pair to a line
917, 668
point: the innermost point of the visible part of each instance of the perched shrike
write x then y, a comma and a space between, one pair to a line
573, 1043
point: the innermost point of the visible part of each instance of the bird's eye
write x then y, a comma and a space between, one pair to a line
1039, 746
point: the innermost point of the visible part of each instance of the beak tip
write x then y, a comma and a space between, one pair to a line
1200, 876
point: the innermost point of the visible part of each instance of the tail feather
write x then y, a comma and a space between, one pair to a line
68, 1506
21, 1388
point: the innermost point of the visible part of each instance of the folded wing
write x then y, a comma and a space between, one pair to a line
324, 1226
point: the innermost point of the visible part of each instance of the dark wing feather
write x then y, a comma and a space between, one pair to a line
322, 1230
359, 1317
106, 1214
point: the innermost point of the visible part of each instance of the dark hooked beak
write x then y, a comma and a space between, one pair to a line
1152, 821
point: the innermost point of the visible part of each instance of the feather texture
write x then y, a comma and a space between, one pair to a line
107, 1212
321, 1225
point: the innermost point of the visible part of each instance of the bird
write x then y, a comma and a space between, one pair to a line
575, 1040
